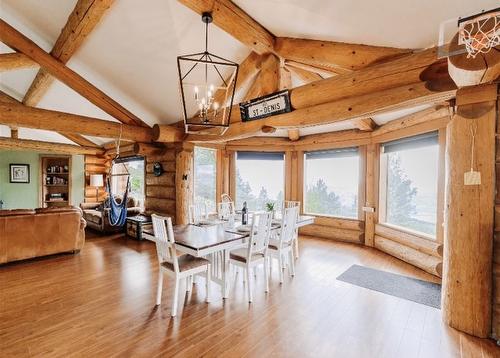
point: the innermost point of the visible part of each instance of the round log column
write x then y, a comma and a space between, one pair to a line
467, 277
183, 184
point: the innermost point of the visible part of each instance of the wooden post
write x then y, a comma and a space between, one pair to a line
467, 277
183, 184
371, 192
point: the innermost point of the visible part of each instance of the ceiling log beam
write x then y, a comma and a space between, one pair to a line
14, 39
304, 75
82, 20
230, 18
19, 115
334, 54
16, 61
347, 109
35, 145
78, 139
365, 124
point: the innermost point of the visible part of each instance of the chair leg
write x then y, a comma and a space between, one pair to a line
188, 284
270, 266
160, 287
296, 246
209, 278
176, 297
266, 275
244, 275
291, 264
255, 271
249, 285
280, 266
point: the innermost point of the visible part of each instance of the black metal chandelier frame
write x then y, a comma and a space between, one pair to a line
207, 59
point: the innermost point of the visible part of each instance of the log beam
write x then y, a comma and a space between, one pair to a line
35, 145
467, 286
167, 133
334, 54
230, 18
19, 115
293, 134
304, 75
78, 139
365, 124
14, 39
81, 21
324, 73
15, 61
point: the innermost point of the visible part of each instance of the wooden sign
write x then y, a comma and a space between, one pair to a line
265, 106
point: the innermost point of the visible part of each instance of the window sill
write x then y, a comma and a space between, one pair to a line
409, 231
332, 216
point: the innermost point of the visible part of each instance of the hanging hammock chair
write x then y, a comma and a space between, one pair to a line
118, 211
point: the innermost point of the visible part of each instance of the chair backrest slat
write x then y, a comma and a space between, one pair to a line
197, 212
289, 224
165, 242
260, 233
225, 209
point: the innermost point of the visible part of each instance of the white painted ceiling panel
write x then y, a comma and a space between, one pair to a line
395, 23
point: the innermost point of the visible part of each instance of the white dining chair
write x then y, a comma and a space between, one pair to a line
281, 247
256, 250
291, 204
197, 212
225, 210
179, 267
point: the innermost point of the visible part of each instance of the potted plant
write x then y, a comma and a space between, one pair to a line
270, 207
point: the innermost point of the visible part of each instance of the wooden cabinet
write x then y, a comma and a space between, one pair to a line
55, 181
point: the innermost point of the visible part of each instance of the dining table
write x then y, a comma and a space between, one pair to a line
214, 240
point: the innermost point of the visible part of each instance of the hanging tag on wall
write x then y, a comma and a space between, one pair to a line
472, 178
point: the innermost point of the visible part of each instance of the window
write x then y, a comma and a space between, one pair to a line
260, 179
205, 177
331, 182
408, 183
135, 167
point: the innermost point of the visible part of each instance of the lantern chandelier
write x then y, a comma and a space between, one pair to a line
207, 84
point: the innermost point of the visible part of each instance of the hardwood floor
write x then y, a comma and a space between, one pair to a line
100, 303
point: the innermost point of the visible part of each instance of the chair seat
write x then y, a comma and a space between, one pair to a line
274, 244
186, 262
241, 255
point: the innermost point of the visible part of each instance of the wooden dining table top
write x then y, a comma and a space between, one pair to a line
203, 237
199, 237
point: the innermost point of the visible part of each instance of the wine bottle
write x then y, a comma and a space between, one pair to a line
244, 214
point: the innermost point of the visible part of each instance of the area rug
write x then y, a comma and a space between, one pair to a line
412, 289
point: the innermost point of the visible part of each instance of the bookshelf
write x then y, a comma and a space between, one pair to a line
55, 181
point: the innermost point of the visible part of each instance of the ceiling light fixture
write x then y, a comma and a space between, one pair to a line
207, 84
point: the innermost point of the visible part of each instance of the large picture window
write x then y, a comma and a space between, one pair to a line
135, 167
331, 182
260, 179
408, 183
205, 177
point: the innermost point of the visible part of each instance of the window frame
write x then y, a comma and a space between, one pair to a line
216, 164
125, 160
382, 190
361, 184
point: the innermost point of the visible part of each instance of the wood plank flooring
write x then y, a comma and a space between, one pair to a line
100, 303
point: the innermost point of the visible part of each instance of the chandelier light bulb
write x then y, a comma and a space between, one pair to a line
195, 93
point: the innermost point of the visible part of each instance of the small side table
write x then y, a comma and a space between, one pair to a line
136, 226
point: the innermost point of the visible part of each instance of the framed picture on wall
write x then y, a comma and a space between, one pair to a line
19, 173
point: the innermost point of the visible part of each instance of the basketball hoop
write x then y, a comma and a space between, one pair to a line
480, 33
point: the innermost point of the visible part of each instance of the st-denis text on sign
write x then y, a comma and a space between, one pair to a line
265, 106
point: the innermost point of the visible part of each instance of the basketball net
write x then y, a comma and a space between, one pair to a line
480, 34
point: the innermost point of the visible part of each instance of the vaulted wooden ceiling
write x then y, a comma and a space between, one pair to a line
115, 60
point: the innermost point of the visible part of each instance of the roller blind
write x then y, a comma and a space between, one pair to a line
260, 155
333, 153
418, 141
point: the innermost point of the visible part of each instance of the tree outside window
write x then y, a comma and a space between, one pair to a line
205, 177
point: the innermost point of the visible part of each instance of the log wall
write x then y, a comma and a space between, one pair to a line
160, 191
95, 165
